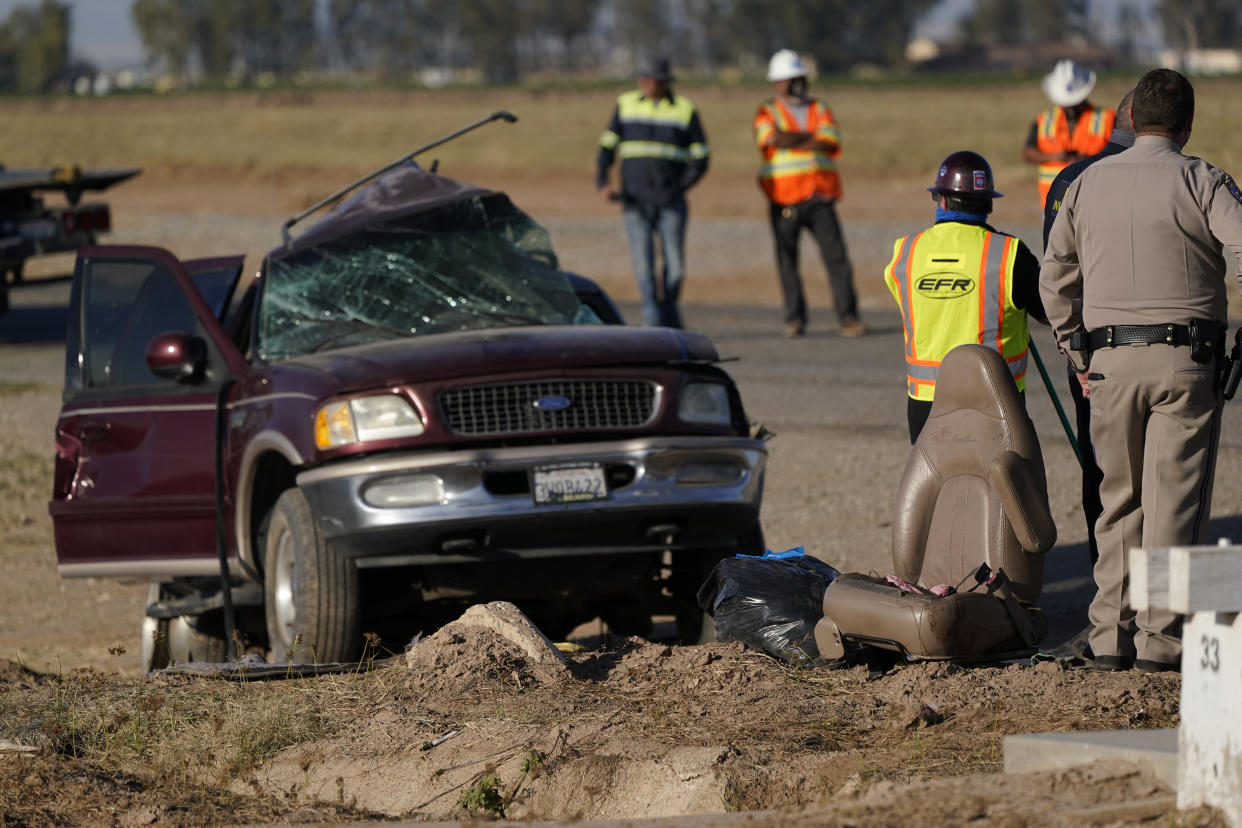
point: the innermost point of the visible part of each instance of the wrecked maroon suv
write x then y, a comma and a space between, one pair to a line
409, 409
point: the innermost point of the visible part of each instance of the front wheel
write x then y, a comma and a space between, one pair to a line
690, 570
311, 592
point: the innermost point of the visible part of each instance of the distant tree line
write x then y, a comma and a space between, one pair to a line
1014, 22
217, 39
504, 41
508, 39
34, 47
1201, 24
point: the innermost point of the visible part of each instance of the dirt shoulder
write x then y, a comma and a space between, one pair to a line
635, 729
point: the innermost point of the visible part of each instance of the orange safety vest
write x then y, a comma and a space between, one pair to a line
954, 284
1052, 135
792, 176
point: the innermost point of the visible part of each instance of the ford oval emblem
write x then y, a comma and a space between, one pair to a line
552, 402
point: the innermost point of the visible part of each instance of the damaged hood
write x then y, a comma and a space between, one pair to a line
476, 353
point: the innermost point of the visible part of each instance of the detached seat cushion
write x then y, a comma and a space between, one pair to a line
961, 625
973, 492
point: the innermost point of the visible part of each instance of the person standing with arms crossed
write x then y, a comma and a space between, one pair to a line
961, 282
664, 153
1073, 128
1134, 284
1121, 139
800, 144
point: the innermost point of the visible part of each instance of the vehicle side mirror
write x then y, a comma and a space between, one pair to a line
177, 356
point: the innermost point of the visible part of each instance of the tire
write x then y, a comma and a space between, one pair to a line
180, 640
690, 570
628, 619
311, 593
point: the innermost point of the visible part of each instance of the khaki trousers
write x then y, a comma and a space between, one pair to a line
1155, 421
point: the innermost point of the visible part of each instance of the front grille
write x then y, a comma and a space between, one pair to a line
509, 408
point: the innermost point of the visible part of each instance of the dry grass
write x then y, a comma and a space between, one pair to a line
25, 471
889, 129
167, 748
24, 475
198, 732
8, 389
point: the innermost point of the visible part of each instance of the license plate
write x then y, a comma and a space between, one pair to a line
569, 484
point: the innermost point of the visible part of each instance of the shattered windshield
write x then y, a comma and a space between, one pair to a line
475, 263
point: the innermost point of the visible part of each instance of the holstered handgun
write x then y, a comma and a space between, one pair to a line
1078, 342
1231, 368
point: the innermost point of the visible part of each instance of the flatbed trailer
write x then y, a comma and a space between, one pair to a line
29, 227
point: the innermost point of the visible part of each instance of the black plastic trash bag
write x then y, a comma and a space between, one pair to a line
770, 603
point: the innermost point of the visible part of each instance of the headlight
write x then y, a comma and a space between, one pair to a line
705, 402
381, 417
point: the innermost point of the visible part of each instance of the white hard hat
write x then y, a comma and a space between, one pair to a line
1068, 84
786, 64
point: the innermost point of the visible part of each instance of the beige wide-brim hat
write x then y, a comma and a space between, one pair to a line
1068, 84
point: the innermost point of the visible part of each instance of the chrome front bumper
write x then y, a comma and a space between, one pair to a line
682, 494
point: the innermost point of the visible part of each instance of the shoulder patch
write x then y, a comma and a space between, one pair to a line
1232, 187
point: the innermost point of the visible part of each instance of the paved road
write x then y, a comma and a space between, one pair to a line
837, 407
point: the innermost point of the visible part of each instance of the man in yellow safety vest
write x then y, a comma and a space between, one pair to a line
960, 282
663, 149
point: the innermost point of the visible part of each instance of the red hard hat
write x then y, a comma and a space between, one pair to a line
965, 174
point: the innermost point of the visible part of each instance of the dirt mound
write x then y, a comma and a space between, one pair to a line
1060, 696
489, 644
632, 729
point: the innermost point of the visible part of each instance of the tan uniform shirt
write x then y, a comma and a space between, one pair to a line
1138, 241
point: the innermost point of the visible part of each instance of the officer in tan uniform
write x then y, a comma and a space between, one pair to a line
1133, 281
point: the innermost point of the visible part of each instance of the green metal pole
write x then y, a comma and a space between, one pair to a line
1056, 401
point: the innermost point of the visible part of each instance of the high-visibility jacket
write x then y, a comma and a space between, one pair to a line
954, 283
1053, 135
791, 176
662, 147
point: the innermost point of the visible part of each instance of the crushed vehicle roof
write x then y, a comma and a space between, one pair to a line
403, 190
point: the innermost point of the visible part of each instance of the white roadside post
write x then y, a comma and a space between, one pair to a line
1204, 583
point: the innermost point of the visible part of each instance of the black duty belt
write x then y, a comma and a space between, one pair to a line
1115, 335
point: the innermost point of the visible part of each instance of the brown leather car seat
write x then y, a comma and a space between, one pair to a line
973, 493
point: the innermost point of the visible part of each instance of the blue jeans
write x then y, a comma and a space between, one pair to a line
659, 295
